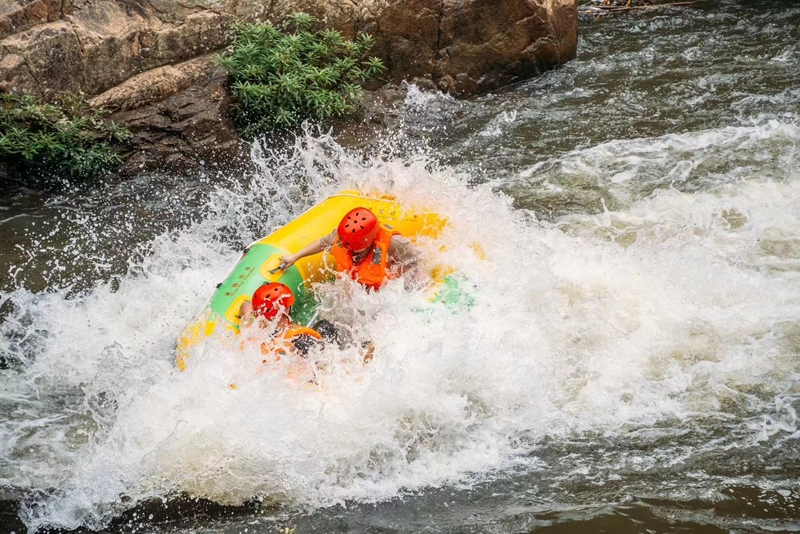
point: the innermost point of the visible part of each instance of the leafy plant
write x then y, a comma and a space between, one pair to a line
283, 76
65, 138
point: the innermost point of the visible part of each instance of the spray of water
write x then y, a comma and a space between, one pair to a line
674, 306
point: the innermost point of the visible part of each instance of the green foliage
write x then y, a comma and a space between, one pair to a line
65, 138
283, 76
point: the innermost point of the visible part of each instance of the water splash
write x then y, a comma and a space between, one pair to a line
661, 311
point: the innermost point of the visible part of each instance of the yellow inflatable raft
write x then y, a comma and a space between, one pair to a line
260, 261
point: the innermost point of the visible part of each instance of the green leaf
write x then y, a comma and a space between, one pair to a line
283, 76
57, 137
299, 21
373, 67
365, 42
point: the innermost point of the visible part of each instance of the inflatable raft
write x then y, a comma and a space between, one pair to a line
261, 260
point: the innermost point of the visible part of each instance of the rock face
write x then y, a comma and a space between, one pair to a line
145, 59
461, 46
149, 60
190, 129
487, 44
178, 115
89, 46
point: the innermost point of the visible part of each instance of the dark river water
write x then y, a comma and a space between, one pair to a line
631, 362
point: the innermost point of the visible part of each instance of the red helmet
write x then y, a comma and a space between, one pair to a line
270, 299
358, 229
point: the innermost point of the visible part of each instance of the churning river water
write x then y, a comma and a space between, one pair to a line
631, 362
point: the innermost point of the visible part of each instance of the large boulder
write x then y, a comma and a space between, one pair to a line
487, 44
149, 61
462, 46
187, 132
94, 45
179, 117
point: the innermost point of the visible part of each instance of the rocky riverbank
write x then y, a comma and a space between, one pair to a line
150, 62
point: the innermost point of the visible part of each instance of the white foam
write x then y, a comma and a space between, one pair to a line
662, 310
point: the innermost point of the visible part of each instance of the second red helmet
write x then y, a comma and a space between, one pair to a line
271, 299
358, 229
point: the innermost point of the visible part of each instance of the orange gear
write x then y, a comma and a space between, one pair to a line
358, 229
282, 343
271, 299
372, 272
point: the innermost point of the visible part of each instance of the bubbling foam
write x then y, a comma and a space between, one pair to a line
663, 310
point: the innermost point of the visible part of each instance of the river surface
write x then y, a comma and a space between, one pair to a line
631, 361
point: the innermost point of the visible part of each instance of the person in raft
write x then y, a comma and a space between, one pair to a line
364, 249
274, 301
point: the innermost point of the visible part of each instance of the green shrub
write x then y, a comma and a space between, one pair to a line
68, 138
283, 76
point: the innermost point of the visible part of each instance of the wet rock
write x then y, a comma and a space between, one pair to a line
156, 85
188, 132
375, 119
484, 45
179, 118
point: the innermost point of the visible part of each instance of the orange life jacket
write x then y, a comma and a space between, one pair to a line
371, 272
282, 342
